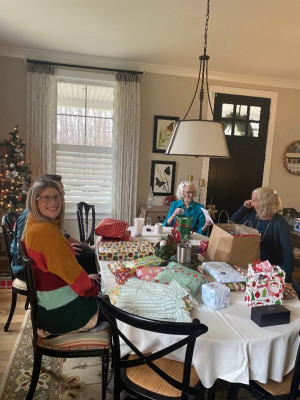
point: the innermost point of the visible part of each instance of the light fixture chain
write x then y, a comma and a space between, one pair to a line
206, 27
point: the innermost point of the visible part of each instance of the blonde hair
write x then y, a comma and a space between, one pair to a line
269, 202
181, 186
35, 192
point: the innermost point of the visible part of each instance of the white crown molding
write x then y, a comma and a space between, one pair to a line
68, 58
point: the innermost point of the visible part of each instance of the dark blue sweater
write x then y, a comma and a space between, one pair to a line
276, 245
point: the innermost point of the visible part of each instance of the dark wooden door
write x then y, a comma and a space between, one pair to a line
245, 122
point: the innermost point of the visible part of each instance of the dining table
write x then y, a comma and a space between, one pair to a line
235, 348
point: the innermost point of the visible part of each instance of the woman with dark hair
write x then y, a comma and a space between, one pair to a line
67, 295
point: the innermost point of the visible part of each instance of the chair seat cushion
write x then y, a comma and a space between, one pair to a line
145, 377
77, 341
19, 284
278, 388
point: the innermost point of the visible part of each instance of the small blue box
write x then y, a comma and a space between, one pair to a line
215, 295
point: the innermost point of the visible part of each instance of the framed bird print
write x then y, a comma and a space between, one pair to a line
162, 177
162, 133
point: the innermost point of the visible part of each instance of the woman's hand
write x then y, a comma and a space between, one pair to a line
248, 204
176, 212
77, 248
207, 224
95, 278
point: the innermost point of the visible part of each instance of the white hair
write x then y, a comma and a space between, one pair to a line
181, 186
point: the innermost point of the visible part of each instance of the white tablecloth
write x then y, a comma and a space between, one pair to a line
234, 348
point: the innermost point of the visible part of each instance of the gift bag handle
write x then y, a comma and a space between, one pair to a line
248, 222
221, 212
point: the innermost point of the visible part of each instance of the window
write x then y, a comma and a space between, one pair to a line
83, 143
241, 120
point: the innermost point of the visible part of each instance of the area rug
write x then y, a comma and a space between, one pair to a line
60, 379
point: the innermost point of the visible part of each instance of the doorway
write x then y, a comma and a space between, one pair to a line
245, 121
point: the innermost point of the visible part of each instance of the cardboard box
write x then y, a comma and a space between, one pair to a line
274, 314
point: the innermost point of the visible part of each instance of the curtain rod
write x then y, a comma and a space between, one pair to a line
83, 66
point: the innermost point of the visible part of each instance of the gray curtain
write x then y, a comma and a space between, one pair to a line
40, 118
126, 146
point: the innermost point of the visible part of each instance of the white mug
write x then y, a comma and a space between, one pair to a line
158, 228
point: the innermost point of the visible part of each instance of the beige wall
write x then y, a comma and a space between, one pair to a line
165, 95
13, 94
168, 96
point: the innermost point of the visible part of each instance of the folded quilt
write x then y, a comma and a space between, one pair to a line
154, 300
223, 272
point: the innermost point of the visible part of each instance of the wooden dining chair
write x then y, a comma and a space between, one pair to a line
152, 375
86, 233
288, 389
71, 345
9, 220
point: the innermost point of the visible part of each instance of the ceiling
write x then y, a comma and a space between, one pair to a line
257, 38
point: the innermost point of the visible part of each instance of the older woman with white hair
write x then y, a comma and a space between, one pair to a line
185, 205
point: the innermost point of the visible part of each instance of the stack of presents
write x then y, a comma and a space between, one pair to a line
138, 266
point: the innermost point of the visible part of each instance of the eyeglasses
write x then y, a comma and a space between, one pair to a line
193, 192
47, 199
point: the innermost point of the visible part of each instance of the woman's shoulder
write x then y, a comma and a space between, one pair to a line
197, 205
176, 203
41, 228
279, 219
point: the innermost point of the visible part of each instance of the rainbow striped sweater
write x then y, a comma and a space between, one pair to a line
66, 295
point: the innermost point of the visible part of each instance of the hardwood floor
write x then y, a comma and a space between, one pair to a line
8, 339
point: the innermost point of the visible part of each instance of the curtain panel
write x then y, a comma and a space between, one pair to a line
126, 146
40, 118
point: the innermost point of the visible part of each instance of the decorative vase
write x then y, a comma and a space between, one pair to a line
150, 201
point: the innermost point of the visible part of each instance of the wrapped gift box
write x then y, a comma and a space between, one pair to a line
215, 295
113, 251
274, 314
113, 266
123, 274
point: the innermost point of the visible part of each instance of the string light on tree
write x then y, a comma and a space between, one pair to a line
15, 174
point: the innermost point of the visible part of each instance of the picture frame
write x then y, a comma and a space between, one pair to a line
163, 177
163, 129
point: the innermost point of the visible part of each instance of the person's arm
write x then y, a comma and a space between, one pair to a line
242, 215
288, 259
174, 210
55, 248
199, 221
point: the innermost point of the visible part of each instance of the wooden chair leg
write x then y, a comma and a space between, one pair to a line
27, 303
105, 365
12, 310
35, 375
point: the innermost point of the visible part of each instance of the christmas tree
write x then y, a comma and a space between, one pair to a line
15, 175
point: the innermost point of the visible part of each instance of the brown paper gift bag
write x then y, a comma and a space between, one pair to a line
236, 244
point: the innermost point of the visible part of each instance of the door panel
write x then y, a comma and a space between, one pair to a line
245, 121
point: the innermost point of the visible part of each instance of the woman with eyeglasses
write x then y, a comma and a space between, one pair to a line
185, 205
67, 295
